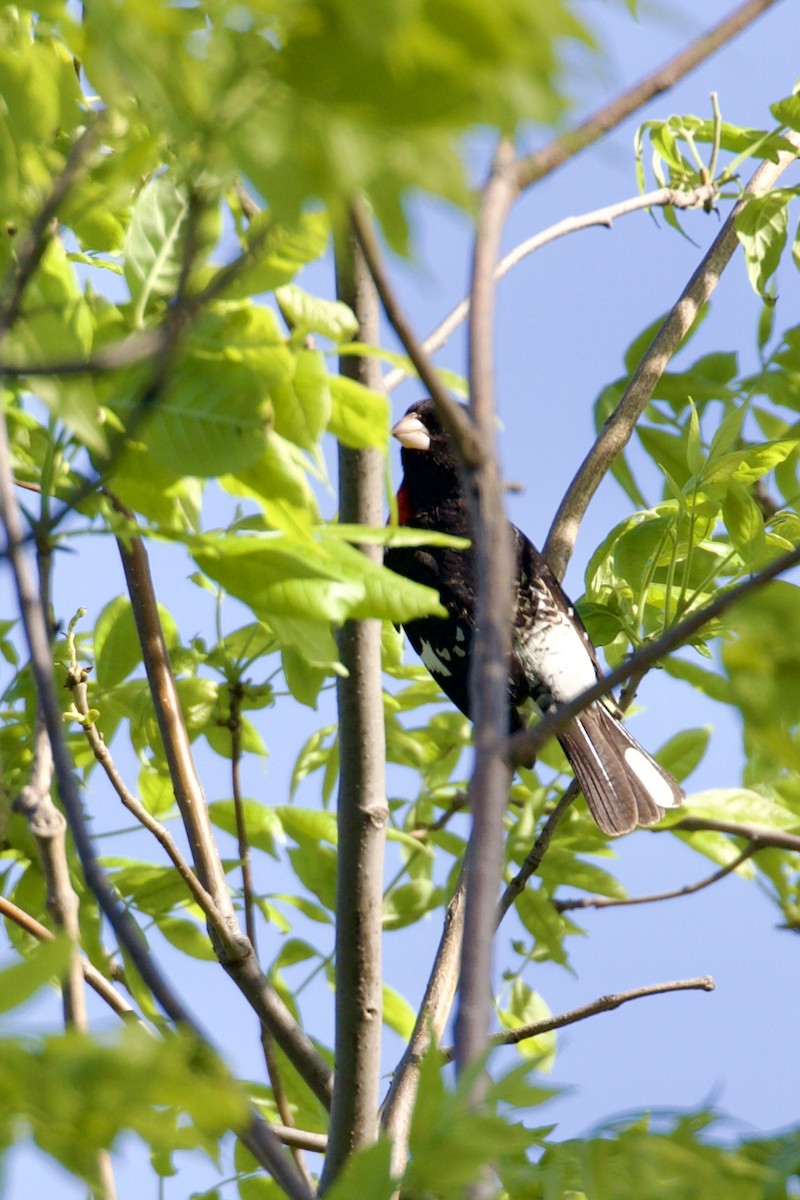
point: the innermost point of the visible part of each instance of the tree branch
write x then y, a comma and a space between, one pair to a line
96, 981
687, 890
512, 1037
362, 810
660, 198
542, 162
76, 682
759, 835
33, 246
430, 1024
233, 948
538, 850
456, 422
494, 573
619, 427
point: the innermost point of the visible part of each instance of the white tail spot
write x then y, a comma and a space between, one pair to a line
647, 772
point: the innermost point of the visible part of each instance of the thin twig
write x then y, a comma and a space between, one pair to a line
511, 1037
33, 246
431, 1020
236, 694
49, 828
660, 198
778, 839
619, 428
687, 890
76, 682
232, 946
538, 850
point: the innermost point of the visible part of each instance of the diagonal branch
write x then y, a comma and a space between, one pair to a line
512, 1037
542, 162
34, 244
96, 981
688, 889
454, 419
233, 948
619, 428
605, 217
760, 835
430, 1024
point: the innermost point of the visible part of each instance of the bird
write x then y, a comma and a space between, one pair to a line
552, 658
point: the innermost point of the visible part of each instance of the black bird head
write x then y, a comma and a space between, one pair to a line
430, 467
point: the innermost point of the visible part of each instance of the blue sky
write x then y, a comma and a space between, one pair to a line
565, 318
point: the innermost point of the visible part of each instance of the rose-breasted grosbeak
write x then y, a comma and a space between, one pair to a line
552, 660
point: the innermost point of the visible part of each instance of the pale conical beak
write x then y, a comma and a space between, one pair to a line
411, 433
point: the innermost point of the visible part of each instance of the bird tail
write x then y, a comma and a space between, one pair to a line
623, 785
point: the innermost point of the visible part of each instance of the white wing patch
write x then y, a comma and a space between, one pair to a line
432, 660
641, 766
554, 652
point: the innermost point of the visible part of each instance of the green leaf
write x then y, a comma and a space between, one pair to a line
787, 111
398, 1013
366, 1174
359, 417
302, 405
744, 522
408, 902
694, 448
47, 962
526, 1007
187, 937
308, 824
684, 751
748, 465
277, 253
213, 415
761, 227
153, 249
305, 314
262, 823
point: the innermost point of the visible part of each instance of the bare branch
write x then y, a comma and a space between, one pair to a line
618, 429
687, 890
661, 198
491, 537
759, 835
76, 682
511, 1037
542, 162
362, 811
430, 1024
233, 948
538, 851
454, 419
